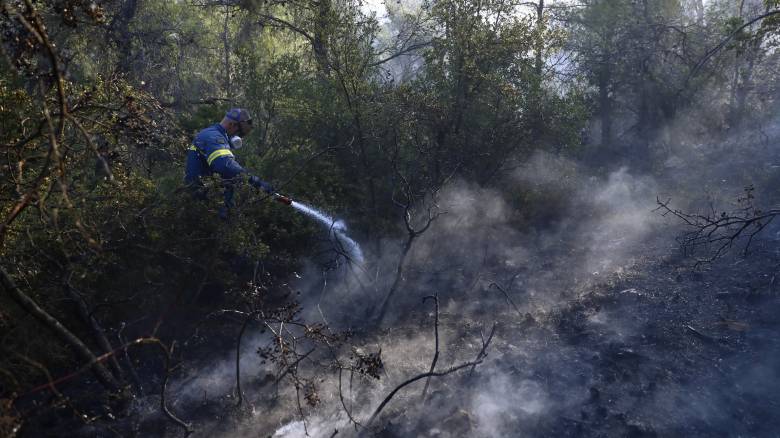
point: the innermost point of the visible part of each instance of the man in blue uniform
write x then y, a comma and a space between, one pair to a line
211, 153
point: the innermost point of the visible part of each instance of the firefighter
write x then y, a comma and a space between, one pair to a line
211, 152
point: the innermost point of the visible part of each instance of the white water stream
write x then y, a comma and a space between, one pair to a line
338, 231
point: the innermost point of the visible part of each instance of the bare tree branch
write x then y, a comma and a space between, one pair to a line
344, 405
240, 394
414, 379
719, 230
402, 52
435, 298
506, 295
485, 345
710, 53
413, 232
163, 405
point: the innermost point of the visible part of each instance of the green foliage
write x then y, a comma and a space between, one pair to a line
201, 117
334, 128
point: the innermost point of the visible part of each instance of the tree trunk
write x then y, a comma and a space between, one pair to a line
743, 77
122, 37
539, 49
699, 6
320, 36
605, 105
63, 333
647, 116
399, 275
226, 61
537, 123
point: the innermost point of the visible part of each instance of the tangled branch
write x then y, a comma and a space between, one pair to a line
167, 353
472, 364
414, 379
719, 232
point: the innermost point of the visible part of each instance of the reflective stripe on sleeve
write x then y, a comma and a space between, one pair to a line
218, 153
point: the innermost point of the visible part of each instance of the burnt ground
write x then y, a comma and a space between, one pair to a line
661, 348
664, 349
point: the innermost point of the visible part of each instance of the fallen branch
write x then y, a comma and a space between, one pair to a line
699, 334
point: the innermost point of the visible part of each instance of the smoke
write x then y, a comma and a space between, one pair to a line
475, 243
505, 401
558, 258
217, 379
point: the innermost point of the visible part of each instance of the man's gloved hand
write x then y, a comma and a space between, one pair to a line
260, 184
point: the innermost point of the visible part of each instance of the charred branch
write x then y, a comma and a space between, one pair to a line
508, 298
409, 203
718, 232
239, 393
163, 403
51, 385
97, 331
31, 307
343, 404
133, 373
414, 379
97, 361
482, 353
435, 299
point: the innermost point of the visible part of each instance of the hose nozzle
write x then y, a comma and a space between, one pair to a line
283, 199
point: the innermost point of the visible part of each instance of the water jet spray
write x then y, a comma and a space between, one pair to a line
337, 228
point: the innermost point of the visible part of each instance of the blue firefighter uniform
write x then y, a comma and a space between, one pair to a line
210, 153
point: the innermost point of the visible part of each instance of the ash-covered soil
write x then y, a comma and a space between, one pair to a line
661, 349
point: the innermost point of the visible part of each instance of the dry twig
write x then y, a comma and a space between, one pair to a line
485, 345
435, 298
414, 379
506, 295
720, 230
240, 394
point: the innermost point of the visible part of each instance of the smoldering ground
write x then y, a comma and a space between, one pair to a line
601, 328
472, 247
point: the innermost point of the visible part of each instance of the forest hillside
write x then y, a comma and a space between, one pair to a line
434, 218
